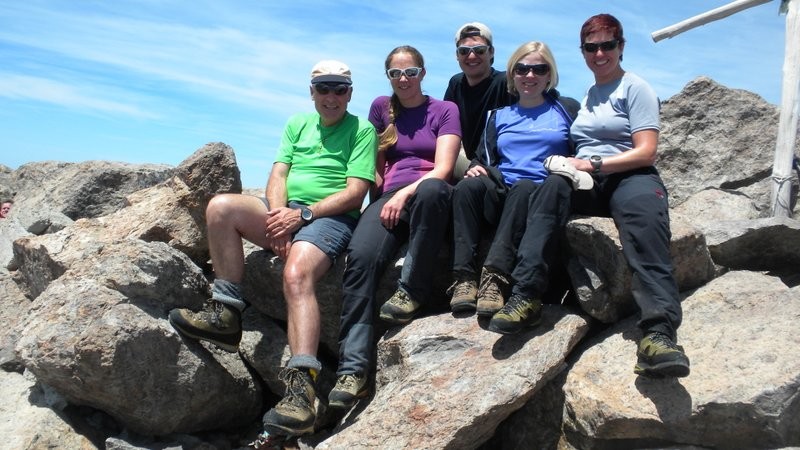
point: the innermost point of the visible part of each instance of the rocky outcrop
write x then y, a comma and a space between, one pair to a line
744, 391
86, 305
37, 416
50, 195
715, 137
445, 382
600, 276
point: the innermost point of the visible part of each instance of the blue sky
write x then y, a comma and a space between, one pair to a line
151, 81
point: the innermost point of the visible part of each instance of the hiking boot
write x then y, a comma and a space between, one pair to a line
295, 414
518, 313
659, 356
464, 293
399, 309
492, 292
349, 388
217, 323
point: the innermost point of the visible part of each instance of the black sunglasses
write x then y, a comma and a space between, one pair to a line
409, 72
592, 47
537, 69
327, 88
477, 49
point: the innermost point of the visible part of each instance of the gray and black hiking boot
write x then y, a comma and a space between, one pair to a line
518, 313
295, 414
463, 293
658, 356
492, 292
217, 323
399, 309
349, 388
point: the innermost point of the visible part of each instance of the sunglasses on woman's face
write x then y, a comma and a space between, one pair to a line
409, 72
326, 88
592, 47
537, 69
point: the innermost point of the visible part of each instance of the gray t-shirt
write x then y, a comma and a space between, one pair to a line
610, 113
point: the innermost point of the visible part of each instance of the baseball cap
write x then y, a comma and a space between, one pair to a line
474, 29
331, 71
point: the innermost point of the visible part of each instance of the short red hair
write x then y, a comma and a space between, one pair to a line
602, 22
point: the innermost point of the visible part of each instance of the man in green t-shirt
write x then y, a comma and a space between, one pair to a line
323, 169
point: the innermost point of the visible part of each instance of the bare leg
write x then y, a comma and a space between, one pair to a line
231, 217
304, 267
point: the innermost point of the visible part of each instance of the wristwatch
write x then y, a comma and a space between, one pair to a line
306, 214
597, 163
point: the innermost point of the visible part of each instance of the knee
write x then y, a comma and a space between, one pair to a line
220, 207
364, 258
468, 186
643, 211
557, 184
524, 186
297, 281
433, 190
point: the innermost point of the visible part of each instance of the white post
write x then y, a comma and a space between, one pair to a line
787, 126
702, 19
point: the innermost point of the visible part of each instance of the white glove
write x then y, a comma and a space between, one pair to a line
558, 164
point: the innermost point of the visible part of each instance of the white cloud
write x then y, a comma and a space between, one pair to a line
66, 95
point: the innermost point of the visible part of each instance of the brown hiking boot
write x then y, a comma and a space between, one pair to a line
399, 309
492, 292
217, 323
295, 414
464, 293
349, 388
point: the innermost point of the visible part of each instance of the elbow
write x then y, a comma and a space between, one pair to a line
357, 199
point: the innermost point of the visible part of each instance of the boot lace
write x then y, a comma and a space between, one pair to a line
267, 441
347, 382
490, 287
459, 288
401, 299
296, 382
662, 340
212, 312
516, 306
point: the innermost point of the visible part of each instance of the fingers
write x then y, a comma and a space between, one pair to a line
280, 222
390, 215
475, 172
281, 248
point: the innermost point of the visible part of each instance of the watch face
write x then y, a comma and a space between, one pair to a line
306, 214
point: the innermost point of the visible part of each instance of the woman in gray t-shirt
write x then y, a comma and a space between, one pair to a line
616, 136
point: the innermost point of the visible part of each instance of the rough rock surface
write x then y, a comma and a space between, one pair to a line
33, 417
601, 277
50, 194
445, 382
744, 389
716, 137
